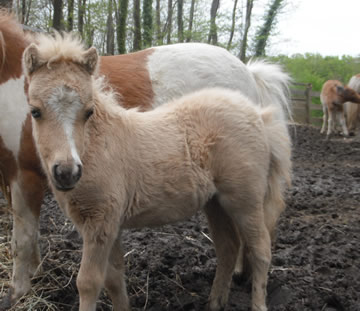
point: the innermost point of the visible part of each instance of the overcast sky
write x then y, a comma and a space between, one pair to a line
327, 27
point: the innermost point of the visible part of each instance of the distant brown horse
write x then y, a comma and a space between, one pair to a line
145, 79
333, 96
352, 111
112, 168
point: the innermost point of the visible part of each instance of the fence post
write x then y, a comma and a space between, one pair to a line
308, 102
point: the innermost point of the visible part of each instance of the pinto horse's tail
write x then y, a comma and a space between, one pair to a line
279, 176
272, 86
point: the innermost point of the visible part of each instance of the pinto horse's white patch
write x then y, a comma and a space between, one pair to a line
179, 69
66, 103
14, 109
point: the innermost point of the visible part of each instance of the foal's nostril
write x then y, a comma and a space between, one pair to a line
78, 173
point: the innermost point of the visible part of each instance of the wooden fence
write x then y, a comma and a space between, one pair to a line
304, 110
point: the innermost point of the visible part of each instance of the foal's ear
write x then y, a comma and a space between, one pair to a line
31, 59
90, 60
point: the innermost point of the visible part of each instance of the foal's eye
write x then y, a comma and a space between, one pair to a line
89, 113
36, 113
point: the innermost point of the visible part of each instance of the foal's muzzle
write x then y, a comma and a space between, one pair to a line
66, 176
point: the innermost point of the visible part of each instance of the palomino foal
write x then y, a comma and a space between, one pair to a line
145, 79
112, 168
333, 96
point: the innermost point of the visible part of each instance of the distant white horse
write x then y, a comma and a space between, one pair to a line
352, 110
112, 168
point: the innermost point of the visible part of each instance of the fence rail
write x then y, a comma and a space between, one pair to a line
302, 105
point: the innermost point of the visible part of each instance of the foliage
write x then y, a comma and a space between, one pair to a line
316, 69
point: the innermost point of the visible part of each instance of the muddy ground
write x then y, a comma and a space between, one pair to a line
316, 260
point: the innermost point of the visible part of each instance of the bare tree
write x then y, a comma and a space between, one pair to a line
121, 16
137, 26
110, 45
159, 35
169, 21
81, 14
232, 25
57, 17
243, 45
180, 9
263, 33
191, 18
70, 17
147, 22
212, 38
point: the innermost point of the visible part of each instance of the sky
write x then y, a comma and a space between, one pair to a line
328, 27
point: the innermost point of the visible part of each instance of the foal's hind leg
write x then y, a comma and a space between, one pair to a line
226, 243
115, 280
250, 220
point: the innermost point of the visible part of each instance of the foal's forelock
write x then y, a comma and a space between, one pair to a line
65, 103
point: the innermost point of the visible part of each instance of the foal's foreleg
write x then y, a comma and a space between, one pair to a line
115, 279
93, 269
226, 241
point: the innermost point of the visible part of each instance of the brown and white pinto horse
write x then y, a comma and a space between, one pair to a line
352, 111
145, 79
112, 168
333, 96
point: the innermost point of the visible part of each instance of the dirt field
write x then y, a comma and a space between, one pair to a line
316, 261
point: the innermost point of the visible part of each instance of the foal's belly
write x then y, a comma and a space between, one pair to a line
169, 210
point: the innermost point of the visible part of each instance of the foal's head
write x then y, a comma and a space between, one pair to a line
60, 72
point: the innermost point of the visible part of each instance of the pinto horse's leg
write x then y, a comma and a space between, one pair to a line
27, 196
227, 244
115, 279
251, 224
93, 267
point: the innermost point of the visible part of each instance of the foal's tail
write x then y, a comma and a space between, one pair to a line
272, 86
279, 176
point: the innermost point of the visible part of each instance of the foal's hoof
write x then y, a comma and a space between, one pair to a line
5, 302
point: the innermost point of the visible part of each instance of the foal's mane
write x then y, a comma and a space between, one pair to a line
69, 47
59, 47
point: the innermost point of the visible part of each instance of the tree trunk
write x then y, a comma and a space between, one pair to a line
70, 17
110, 46
23, 11
232, 25
180, 9
169, 22
137, 26
159, 36
57, 17
263, 33
121, 16
6, 4
89, 29
192, 9
212, 38
243, 47
147, 23
81, 13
